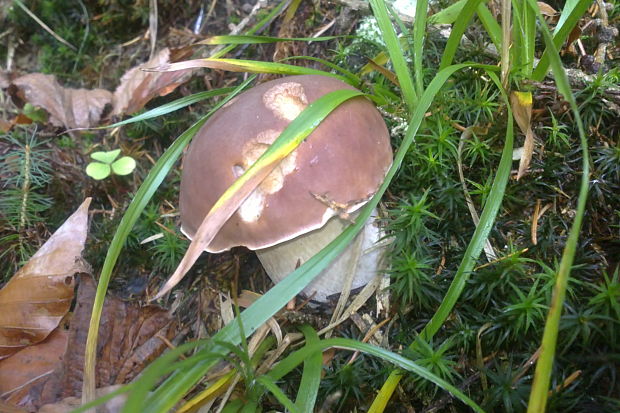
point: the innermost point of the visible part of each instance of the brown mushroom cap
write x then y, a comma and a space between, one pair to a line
345, 158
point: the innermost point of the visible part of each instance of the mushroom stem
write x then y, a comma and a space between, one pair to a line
353, 268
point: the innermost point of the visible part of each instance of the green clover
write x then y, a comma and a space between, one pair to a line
106, 164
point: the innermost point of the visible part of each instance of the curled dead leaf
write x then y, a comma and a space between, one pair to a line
138, 86
71, 108
521, 103
39, 295
546, 10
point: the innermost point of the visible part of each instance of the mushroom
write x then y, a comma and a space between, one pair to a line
305, 202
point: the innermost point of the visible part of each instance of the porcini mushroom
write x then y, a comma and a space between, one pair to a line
305, 202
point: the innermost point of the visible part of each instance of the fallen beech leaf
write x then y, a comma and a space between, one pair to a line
521, 103
129, 338
24, 374
39, 295
9, 408
138, 87
71, 108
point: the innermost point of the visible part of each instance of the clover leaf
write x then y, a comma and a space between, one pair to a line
106, 164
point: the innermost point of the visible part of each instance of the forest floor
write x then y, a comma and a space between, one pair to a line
48, 49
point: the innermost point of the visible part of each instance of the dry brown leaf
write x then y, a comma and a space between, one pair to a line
39, 295
128, 339
138, 87
24, 375
9, 408
71, 108
521, 103
546, 10
389, 75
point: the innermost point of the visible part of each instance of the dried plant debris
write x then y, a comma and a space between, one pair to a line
38, 296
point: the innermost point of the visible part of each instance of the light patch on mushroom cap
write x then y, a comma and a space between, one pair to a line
252, 207
286, 100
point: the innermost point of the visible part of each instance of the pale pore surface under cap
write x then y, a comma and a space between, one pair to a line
252, 207
286, 100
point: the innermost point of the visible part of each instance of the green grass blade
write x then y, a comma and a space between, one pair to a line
544, 366
161, 367
571, 14
529, 39
249, 66
262, 23
447, 15
490, 25
249, 39
396, 53
279, 394
142, 197
311, 376
523, 38
517, 34
472, 253
354, 80
171, 106
459, 27
175, 387
405, 39
297, 357
419, 33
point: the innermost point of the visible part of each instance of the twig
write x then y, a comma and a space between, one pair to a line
153, 20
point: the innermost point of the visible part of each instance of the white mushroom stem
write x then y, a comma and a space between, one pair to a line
356, 266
